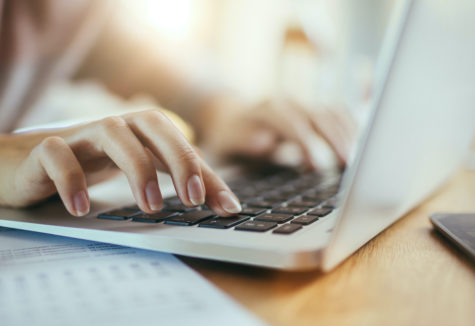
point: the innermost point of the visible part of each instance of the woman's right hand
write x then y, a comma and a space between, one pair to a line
34, 166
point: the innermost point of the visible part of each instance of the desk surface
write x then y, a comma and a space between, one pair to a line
408, 275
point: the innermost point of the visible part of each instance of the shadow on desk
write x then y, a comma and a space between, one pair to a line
461, 256
259, 274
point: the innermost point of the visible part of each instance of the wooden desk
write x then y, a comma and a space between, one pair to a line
408, 275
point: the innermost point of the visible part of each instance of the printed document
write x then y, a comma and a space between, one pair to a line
48, 280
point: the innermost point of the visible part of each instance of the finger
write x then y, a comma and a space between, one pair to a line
60, 164
167, 143
330, 130
309, 139
348, 127
156, 162
218, 195
120, 144
342, 123
293, 125
257, 141
345, 131
324, 124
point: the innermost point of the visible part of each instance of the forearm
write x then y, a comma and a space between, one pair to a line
133, 64
13, 150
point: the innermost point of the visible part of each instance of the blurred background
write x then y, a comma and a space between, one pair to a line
318, 52
307, 49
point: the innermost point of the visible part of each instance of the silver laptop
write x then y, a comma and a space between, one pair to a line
421, 126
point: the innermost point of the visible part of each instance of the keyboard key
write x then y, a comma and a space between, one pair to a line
290, 210
189, 218
301, 188
252, 211
333, 189
172, 201
245, 192
263, 204
305, 220
134, 208
278, 218
178, 208
153, 218
304, 203
320, 211
286, 188
263, 186
314, 197
246, 199
274, 199
277, 198
256, 226
118, 214
224, 222
288, 193
331, 203
287, 228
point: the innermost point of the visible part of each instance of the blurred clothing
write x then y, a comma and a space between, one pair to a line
41, 41
49, 40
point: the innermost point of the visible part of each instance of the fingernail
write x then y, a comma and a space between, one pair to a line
152, 193
229, 203
196, 193
81, 203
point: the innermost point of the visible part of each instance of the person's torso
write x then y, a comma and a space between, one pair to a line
40, 41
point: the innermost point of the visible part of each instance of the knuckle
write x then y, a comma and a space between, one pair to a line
51, 143
112, 122
154, 117
188, 156
142, 164
71, 175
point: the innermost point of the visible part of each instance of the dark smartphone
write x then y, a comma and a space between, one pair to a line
459, 229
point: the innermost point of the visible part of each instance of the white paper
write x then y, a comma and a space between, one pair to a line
50, 280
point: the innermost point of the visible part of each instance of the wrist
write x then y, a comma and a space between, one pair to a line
214, 112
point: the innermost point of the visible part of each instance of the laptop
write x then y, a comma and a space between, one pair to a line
422, 122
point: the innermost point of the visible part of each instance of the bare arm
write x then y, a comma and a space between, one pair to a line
131, 62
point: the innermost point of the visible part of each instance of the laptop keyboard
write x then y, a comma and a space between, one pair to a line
284, 202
